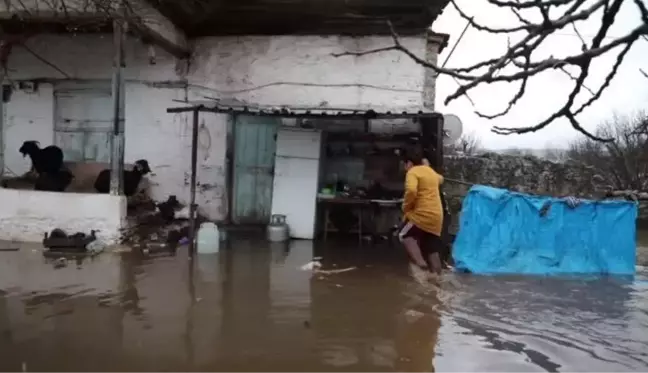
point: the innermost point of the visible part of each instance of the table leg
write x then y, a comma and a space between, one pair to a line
326, 221
377, 217
361, 210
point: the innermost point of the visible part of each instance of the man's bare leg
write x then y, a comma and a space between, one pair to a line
435, 262
414, 251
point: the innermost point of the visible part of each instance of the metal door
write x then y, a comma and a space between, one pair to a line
255, 142
83, 121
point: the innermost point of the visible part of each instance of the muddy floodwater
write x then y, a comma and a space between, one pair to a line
252, 308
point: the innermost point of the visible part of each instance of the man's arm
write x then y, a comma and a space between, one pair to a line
411, 191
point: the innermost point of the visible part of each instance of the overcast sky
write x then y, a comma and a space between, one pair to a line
545, 93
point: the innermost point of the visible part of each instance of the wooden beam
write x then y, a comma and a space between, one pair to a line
141, 17
151, 24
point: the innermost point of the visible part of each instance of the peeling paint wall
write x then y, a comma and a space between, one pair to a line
298, 71
26, 215
303, 71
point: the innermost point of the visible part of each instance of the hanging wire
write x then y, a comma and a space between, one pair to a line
454, 47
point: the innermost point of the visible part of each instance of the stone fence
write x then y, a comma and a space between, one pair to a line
527, 174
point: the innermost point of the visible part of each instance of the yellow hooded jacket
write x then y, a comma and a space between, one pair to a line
422, 202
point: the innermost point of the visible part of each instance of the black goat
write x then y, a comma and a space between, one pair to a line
131, 178
167, 209
54, 182
48, 160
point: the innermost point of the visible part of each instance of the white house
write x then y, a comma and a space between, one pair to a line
57, 90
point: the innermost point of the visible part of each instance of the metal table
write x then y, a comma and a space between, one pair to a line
358, 204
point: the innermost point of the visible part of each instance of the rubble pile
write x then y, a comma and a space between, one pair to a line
157, 226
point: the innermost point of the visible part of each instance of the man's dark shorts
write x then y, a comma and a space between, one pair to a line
429, 243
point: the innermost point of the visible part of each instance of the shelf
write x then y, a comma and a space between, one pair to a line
363, 156
372, 137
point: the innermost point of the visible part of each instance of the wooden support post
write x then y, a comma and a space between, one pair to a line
194, 161
118, 97
230, 151
2, 143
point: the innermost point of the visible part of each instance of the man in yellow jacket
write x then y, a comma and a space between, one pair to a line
423, 214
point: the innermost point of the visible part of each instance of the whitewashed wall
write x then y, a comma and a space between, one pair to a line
266, 70
26, 215
302, 71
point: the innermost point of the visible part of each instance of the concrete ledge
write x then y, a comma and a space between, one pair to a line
25, 215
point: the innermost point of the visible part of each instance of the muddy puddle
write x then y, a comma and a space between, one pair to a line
252, 308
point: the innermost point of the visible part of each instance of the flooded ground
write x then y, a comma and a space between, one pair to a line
252, 308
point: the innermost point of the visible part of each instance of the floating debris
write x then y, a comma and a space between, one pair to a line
312, 265
334, 271
60, 263
315, 266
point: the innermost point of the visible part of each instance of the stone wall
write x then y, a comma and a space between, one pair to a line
526, 174
533, 175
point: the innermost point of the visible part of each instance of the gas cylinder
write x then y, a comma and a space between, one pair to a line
277, 230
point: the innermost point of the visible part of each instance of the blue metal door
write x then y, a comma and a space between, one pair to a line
255, 142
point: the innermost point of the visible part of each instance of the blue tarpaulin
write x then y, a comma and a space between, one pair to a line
506, 232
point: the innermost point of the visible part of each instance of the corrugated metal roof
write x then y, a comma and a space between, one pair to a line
238, 107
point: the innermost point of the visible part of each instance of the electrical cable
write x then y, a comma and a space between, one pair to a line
454, 47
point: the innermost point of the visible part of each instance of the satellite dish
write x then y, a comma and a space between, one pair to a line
452, 129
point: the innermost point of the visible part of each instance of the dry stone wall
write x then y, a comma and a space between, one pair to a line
527, 174
533, 175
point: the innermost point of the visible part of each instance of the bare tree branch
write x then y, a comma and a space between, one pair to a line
527, 4
469, 144
519, 62
623, 162
76, 15
81, 14
583, 43
45, 61
575, 78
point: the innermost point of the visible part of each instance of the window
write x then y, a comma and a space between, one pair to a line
83, 121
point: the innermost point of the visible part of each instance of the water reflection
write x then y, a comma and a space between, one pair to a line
546, 324
250, 307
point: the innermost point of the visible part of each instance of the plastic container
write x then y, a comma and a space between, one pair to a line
277, 230
208, 240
